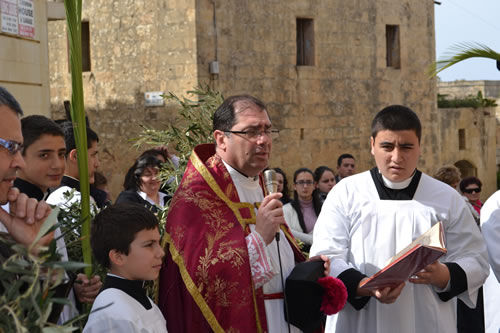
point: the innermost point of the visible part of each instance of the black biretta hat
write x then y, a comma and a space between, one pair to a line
304, 295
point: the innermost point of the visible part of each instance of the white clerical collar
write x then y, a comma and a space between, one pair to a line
238, 176
397, 185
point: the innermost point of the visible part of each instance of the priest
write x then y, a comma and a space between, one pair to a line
222, 269
369, 217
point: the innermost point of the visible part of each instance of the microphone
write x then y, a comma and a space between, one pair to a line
270, 181
271, 184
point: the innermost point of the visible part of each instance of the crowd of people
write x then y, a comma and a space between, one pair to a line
229, 244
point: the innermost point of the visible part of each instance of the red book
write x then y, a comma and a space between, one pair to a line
424, 250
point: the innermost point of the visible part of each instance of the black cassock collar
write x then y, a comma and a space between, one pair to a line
133, 288
386, 193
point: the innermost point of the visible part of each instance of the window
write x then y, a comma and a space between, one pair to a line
392, 46
305, 42
85, 49
461, 139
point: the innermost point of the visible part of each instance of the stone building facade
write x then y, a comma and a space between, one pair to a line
323, 67
489, 89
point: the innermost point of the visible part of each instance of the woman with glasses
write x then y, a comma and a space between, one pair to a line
471, 190
302, 212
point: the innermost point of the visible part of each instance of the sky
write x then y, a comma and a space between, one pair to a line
459, 21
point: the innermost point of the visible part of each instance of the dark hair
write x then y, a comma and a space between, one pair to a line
99, 179
341, 158
286, 196
396, 118
115, 227
69, 137
225, 117
318, 173
133, 178
7, 99
130, 182
296, 204
468, 181
33, 127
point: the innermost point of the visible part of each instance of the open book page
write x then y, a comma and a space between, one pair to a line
426, 249
434, 237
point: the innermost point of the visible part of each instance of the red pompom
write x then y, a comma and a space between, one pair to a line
335, 295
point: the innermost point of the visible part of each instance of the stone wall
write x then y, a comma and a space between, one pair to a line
326, 109
489, 89
480, 142
136, 46
322, 110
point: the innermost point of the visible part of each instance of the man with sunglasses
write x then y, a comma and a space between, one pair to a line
23, 216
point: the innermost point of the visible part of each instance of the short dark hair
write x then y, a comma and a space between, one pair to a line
468, 181
35, 126
341, 158
115, 228
7, 99
69, 137
225, 117
318, 173
396, 118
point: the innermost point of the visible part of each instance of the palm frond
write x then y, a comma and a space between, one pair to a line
74, 23
461, 52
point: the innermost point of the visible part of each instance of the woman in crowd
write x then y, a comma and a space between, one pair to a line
325, 181
282, 185
302, 212
142, 184
471, 189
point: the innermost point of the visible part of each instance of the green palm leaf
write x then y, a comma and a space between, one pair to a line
461, 52
74, 23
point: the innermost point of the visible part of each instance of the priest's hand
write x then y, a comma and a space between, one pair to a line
25, 218
86, 290
269, 217
436, 274
326, 264
386, 295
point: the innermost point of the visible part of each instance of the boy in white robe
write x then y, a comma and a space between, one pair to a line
368, 218
490, 224
125, 239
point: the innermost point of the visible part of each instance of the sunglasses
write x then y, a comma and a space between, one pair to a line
472, 190
12, 146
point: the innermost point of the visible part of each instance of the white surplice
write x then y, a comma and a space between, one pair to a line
490, 225
121, 313
358, 230
250, 191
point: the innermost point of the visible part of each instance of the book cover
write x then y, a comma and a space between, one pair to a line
424, 250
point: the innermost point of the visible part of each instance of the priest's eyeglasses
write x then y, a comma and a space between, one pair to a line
254, 134
304, 182
12, 146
